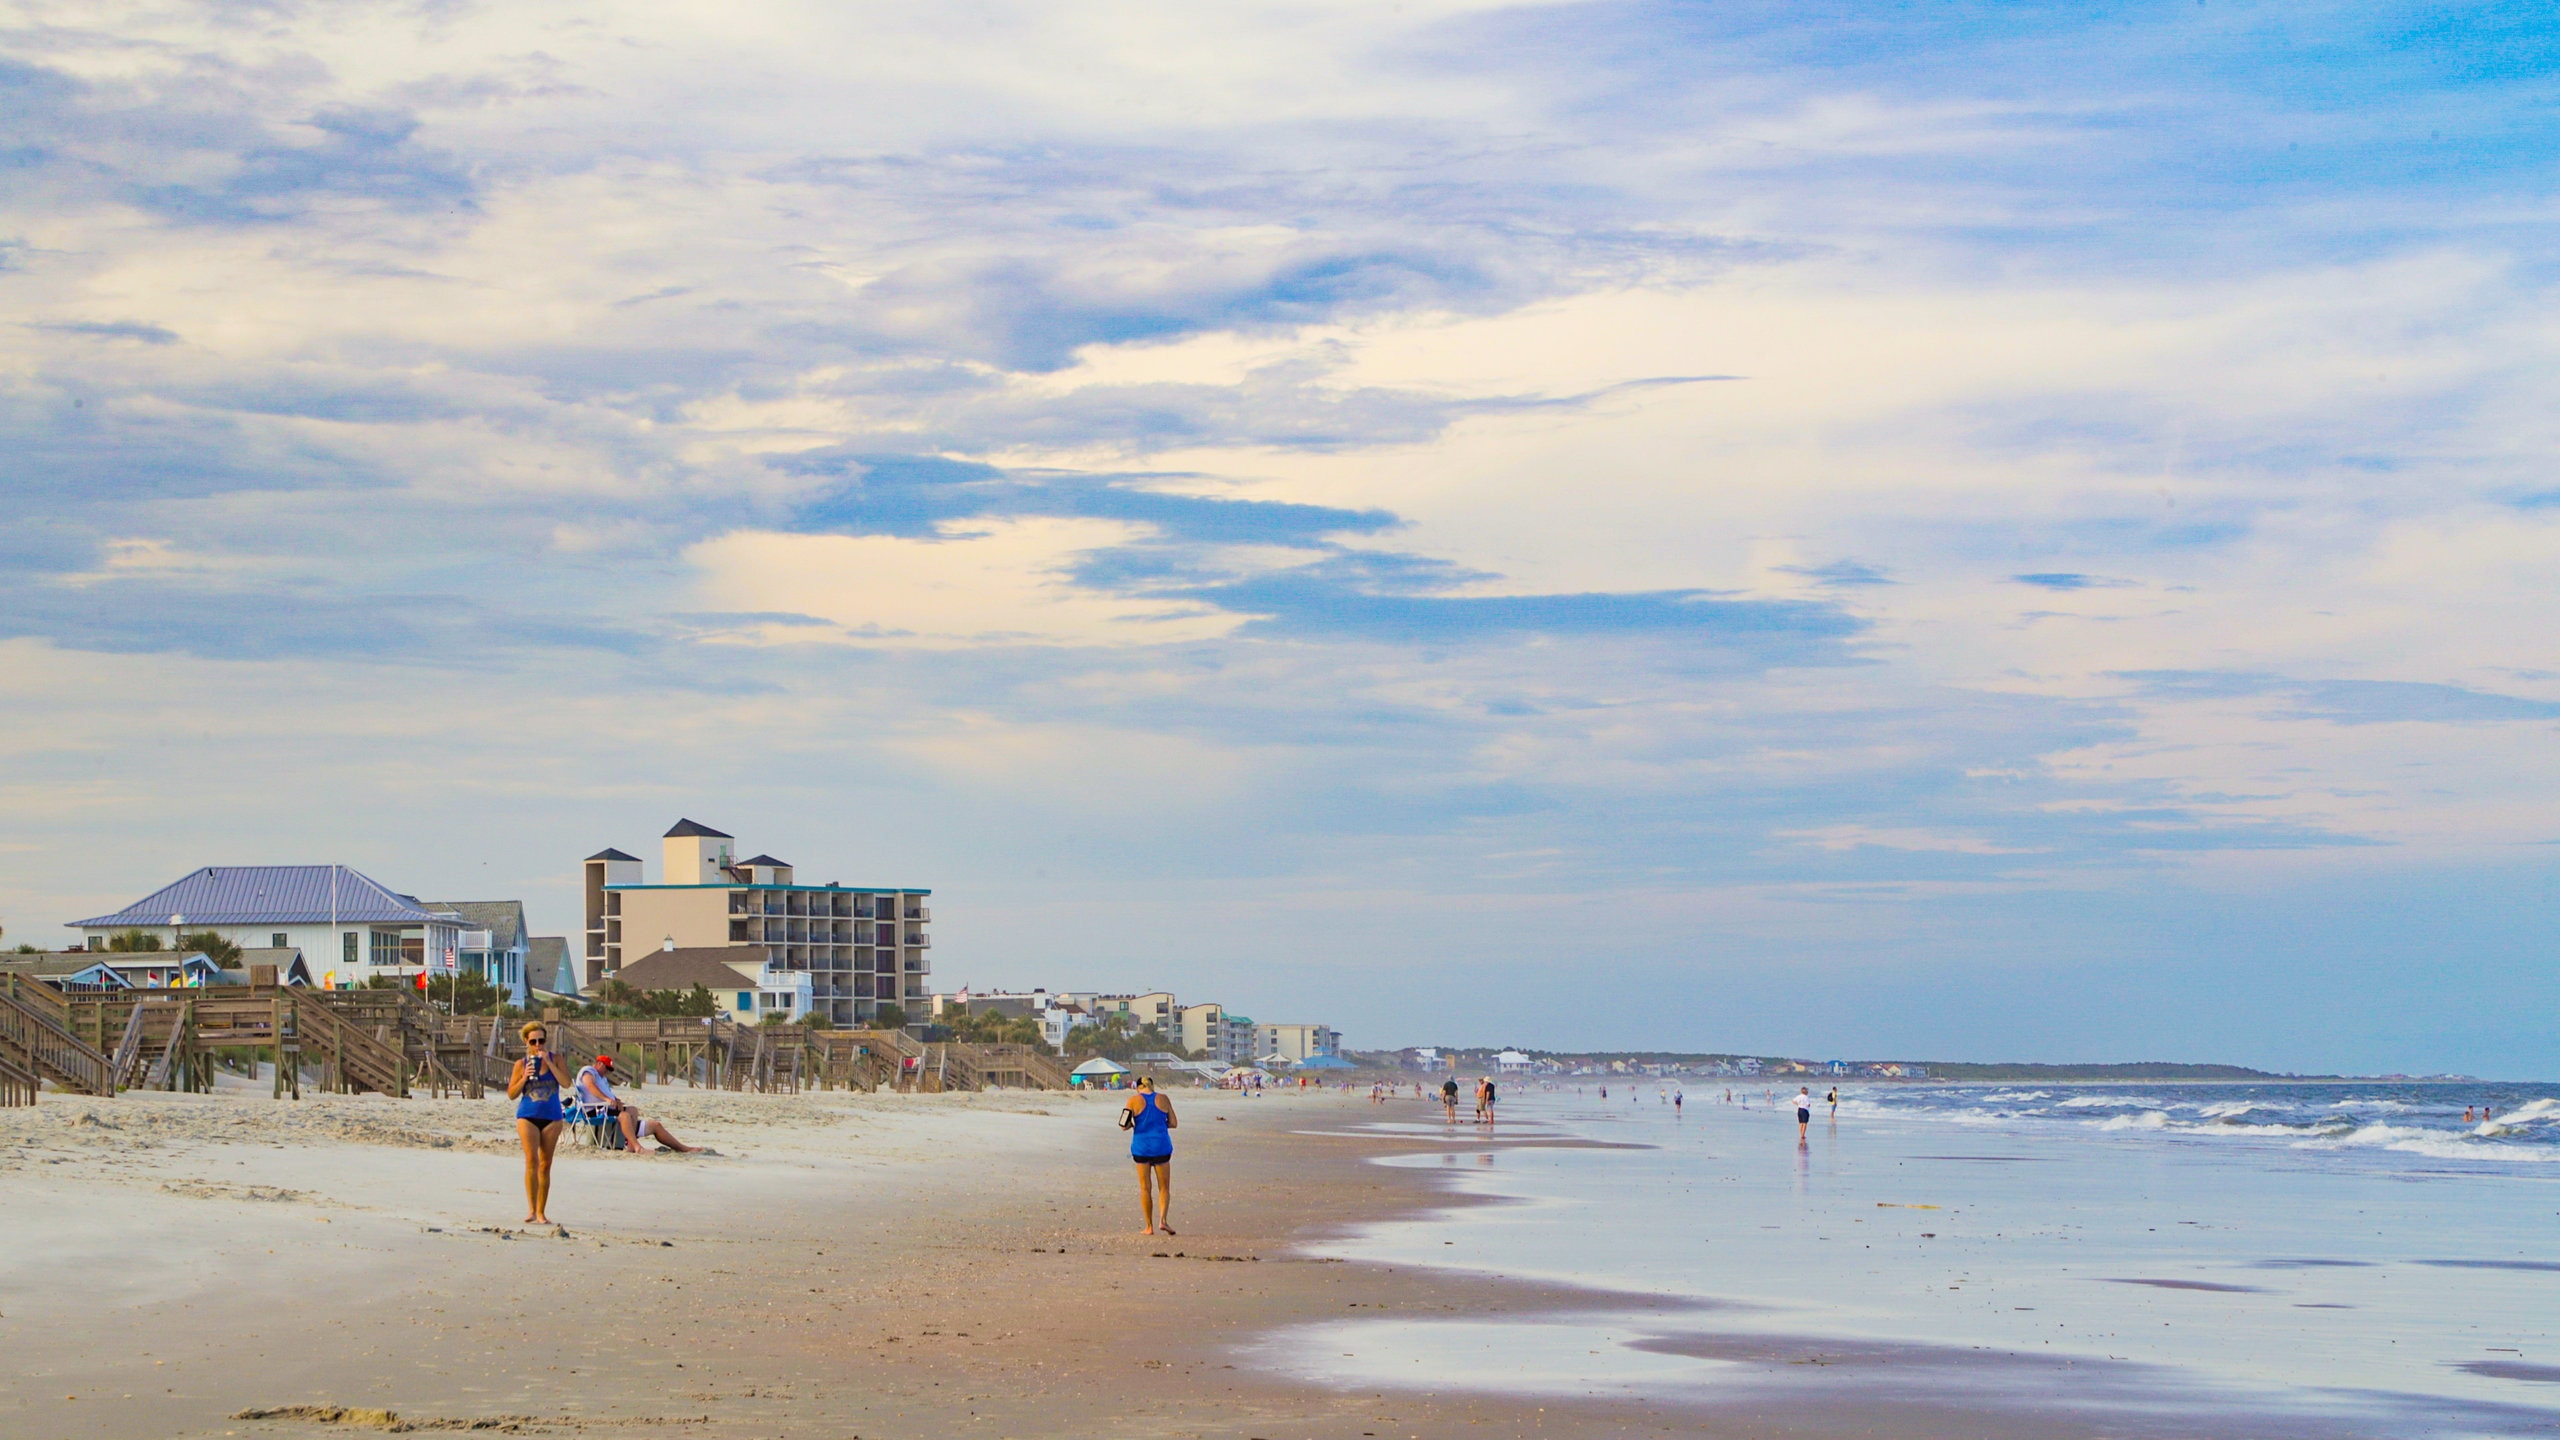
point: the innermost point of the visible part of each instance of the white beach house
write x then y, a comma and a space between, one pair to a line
349, 926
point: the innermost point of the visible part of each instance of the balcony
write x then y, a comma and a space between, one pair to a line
919, 940
917, 912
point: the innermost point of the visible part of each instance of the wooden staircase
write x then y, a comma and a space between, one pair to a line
37, 1046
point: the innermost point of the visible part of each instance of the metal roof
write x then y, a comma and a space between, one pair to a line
696, 827
270, 895
609, 853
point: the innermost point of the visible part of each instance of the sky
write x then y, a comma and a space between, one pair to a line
2002, 532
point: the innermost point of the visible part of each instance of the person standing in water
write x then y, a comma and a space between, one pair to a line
1804, 1111
1488, 1099
535, 1087
1149, 1120
1449, 1098
1835, 1104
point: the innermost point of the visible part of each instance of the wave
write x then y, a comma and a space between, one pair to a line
2147, 1120
2529, 1112
2435, 1143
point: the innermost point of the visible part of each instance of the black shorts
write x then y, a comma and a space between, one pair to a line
1153, 1159
1803, 1116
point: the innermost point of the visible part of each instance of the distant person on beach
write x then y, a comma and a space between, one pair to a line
1804, 1109
534, 1085
1676, 1098
1449, 1098
1489, 1098
1149, 1120
595, 1088
1835, 1102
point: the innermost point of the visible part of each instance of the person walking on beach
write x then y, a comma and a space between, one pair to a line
1149, 1120
1488, 1099
1449, 1098
1835, 1104
535, 1087
1804, 1111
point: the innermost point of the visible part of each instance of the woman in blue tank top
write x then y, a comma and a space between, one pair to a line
535, 1087
1149, 1121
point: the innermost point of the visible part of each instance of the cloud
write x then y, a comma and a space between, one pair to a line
987, 582
2069, 580
2353, 702
115, 330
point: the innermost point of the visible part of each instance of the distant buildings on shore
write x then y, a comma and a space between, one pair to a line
1522, 1062
833, 951
763, 943
1208, 1032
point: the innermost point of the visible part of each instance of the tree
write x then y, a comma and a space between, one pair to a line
213, 947
618, 998
129, 942
1113, 1037
993, 1027
816, 1021
889, 1017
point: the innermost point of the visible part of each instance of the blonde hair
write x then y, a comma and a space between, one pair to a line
526, 1032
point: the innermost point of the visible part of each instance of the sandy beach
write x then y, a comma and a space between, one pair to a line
909, 1266
846, 1265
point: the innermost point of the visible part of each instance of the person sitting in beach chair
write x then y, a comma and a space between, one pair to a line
592, 1124
595, 1089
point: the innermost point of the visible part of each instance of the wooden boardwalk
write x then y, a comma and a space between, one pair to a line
391, 1042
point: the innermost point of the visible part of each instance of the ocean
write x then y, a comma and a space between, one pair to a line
2244, 1260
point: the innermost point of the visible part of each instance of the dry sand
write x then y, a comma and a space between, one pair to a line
848, 1265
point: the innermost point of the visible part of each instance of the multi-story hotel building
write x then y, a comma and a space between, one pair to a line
860, 945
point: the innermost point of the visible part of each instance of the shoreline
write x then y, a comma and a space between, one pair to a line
852, 1265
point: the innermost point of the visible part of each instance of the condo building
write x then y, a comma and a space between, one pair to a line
860, 946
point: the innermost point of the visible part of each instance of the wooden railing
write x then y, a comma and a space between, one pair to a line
31, 1040
18, 1085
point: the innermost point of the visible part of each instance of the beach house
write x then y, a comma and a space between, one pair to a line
349, 926
857, 946
743, 981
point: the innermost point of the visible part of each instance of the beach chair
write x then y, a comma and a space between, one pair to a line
595, 1127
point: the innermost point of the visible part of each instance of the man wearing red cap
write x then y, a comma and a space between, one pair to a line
595, 1087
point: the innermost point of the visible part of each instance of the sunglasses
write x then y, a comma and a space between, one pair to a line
534, 1039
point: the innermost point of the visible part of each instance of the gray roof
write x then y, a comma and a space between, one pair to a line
766, 860
503, 919
609, 853
682, 969
546, 965
72, 962
269, 895
696, 827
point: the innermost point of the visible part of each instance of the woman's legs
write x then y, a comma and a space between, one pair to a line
657, 1130
530, 1133
1146, 1199
1164, 1186
548, 1146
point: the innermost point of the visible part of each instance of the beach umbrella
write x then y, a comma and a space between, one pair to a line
1099, 1066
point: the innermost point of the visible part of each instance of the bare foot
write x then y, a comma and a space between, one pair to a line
1168, 1229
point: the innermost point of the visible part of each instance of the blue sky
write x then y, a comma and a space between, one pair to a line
1979, 531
